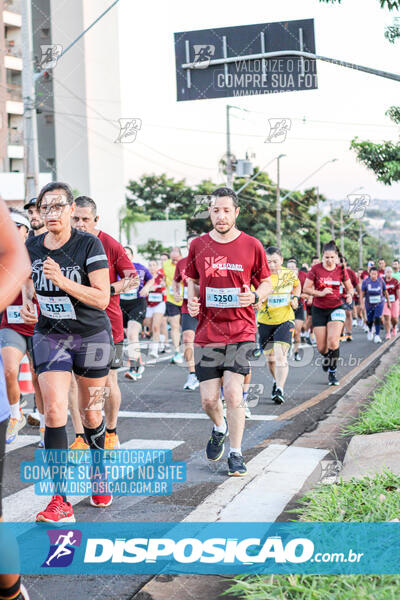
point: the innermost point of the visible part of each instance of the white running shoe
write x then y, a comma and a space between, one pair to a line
247, 411
370, 336
377, 339
177, 358
192, 382
13, 428
366, 328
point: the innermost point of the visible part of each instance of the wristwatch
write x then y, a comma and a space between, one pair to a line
112, 290
256, 298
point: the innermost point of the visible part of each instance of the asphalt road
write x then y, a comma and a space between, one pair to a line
159, 413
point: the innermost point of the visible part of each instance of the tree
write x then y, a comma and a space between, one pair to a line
153, 249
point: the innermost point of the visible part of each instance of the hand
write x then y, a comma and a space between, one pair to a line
130, 283
178, 298
194, 306
52, 271
349, 298
28, 313
144, 292
247, 297
326, 291
294, 303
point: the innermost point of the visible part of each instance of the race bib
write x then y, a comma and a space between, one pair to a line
374, 299
14, 314
276, 300
338, 315
185, 293
171, 290
129, 295
222, 297
155, 297
56, 307
392, 297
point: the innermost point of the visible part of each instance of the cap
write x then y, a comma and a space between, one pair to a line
32, 202
20, 220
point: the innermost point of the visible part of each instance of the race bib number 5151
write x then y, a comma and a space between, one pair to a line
56, 307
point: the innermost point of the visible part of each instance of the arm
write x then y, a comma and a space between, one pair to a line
129, 279
385, 293
144, 292
126, 284
28, 312
296, 294
193, 297
349, 289
15, 265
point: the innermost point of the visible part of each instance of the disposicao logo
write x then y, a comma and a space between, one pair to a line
62, 547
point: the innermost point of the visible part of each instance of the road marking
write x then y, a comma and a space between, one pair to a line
25, 504
169, 415
21, 441
344, 381
275, 475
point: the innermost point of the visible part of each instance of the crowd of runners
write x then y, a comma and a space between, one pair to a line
81, 306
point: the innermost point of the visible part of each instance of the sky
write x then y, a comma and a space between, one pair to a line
187, 139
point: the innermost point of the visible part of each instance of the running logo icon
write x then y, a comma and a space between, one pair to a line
215, 266
203, 53
63, 543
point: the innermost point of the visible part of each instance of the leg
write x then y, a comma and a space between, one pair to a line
175, 331
11, 360
74, 408
112, 401
298, 324
133, 331
211, 401
282, 367
233, 394
322, 340
188, 340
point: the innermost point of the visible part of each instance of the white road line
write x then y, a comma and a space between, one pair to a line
184, 415
21, 441
25, 504
275, 475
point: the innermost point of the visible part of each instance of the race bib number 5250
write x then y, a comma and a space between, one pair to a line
222, 297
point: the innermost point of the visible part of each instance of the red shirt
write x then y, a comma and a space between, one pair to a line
220, 266
180, 276
119, 264
323, 278
158, 287
302, 277
354, 282
364, 275
22, 328
392, 286
381, 272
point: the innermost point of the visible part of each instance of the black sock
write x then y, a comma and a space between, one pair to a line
111, 430
333, 359
326, 359
55, 438
10, 592
96, 437
82, 435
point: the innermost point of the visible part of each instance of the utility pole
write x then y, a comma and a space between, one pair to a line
360, 237
31, 158
318, 227
229, 176
341, 229
278, 205
332, 223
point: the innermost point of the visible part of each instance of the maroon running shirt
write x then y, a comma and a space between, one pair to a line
354, 282
12, 320
119, 264
392, 286
180, 276
223, 270
323, 278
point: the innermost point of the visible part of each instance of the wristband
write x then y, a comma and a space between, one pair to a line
256, 298
112, 290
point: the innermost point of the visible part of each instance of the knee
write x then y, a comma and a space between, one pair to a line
333, 343
233, 395
91, 418
54, 418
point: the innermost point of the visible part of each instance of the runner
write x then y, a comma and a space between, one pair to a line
373, 292
276, 320
323, 282
155, 310
172, 307
35, 219
224, 263
16, 341
391, 315
396, 269
123, 277
189, 323
300, 312
348, 307
71, 278
133, 306
14, 270
381, 267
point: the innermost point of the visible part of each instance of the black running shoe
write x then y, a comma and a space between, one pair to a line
332, 378
278, 397
273, 390
325, 363
297, 356
215, 447
236, 465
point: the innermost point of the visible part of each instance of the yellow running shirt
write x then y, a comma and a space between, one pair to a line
169, 271
277, 308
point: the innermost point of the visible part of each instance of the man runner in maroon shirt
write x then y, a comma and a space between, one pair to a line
225, 263
85, 219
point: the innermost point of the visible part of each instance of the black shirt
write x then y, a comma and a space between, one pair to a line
60, 312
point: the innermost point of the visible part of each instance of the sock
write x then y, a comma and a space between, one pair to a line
235, 450
14, 409
369, 323
162, 338
42, 421
96, 437
111, 430
81, 435
134, 365
192, 372
333, 359
326, 359
12, 592
221, 428
56, 438
245, 394
377, 326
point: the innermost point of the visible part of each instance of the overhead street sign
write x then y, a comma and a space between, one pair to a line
224, 62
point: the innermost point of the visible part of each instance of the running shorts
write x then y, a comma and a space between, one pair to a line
158, 308
10, 337
322, 316
189, 323
117, 355
86, 356
212, 361
133, 310
171, 310
275, 334
309, 309
393, 311
299, 314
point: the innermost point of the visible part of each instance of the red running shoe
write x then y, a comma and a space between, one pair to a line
99, 485
57, 511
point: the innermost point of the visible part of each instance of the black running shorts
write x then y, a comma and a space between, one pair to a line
322, 316
171, 310
212, 361
188, 322
275, 334
133, 310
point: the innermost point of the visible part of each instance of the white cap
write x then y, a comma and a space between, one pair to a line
20, 220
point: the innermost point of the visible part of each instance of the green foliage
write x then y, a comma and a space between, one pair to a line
152, 250
389, 4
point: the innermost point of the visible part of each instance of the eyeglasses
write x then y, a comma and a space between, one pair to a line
56, 207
